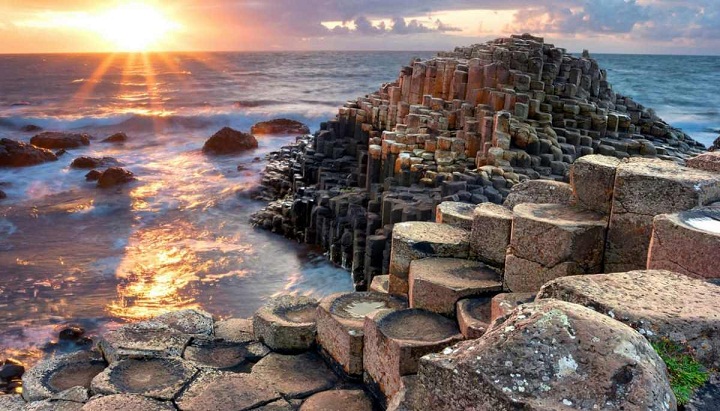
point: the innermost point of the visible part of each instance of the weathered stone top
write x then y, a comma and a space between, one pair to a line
351, 308
560, 215
414, 325
420, 232
704, 219
456, 273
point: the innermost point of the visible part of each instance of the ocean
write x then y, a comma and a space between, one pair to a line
179, 237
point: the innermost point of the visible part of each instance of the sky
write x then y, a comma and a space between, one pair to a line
603, 26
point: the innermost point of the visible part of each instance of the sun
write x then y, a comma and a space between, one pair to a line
134, 27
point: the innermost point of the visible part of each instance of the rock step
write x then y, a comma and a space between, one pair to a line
474, 316
550, 241
380, 284
286, 324
416, 240
456, 214
436, 284
490, 234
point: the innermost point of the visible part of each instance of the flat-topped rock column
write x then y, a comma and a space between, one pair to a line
550, 241
687, 242
657, 303
54, 375
473, 316
416, 240
287, 323
340, 320
490, 234
436, 284
394, 343
643, 189
503, 304
456, 214
592, 179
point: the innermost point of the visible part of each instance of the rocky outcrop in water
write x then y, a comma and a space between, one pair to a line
116, 138
59, 140
229, 141
18, 154
93, 162
114, 176
281, 126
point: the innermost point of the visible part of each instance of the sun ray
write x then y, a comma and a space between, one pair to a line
90, 83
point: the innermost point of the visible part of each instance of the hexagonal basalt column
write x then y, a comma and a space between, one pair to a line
473, 316
592, 178
347, 400
395, 341
220, 390
340, 320
550, 241
295, 376
54, 375
436, 284
380, 284
416, 240
490, 235
687, 242
159, 378
126, 402
456, 214
287, 323
643, 189
218, 354
144, 339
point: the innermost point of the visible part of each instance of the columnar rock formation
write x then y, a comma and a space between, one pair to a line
465, 126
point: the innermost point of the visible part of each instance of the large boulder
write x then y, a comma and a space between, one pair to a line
229, 141
93, 162
548, 355
116, 138
657, 303
280, 126
55, 140
17, 154
114, 176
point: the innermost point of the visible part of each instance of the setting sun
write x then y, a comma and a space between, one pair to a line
134, 26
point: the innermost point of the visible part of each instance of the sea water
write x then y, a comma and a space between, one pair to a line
179, 237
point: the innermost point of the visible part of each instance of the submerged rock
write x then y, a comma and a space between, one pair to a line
54, 139
93, 162
2, 195
280, 126
116, 138
93, 175
17, 154
30, 128
548, 355
114, 176
229, 141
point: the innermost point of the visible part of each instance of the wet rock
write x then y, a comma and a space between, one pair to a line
30, 128
338, 400
592, 179
380, 284
636, 202
686, 242
238, 330
114, 176
394, 343
229, 141
503, 304
190, 321
2, 195
295, 376
287, 323
548, 355
93, 162
416, 240
126, 402
61, 152
218, 354
17, 154
116, 138
159, 378
539, 192
71, 333
54, 375
437, 284
12, 402
93, 175
490, 234
657, 303
144, 339
11, 370
456, 214
280, 126
340, 319
473, 316
217, 390
54, 140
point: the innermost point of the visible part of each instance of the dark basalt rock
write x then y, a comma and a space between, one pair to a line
2, 195
53, 139
17, 154
116, 138
93, 175
229, 141
93, 162
71, 333
57, 374
31, 128
280, 126
114, 176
